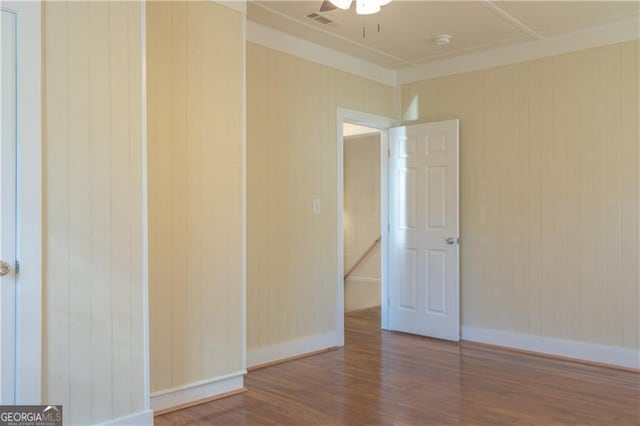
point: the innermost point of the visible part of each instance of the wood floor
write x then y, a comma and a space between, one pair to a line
397, 379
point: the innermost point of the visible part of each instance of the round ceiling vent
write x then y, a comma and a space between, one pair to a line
442, 39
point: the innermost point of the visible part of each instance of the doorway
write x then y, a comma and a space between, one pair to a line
380, 125
361, 217
419, 194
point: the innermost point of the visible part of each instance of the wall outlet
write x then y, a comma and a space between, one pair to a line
316, 206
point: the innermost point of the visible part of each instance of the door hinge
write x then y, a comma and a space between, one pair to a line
17, 268
389, 152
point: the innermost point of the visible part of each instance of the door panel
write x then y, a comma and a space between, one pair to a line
407, 189
423, 230
8, 207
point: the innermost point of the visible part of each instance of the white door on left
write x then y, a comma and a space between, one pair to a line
8, 209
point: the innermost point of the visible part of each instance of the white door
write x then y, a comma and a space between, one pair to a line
423, 230
8, 209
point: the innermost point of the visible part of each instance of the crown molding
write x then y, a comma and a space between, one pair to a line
239, 5
614, 32
274, 39
617, 32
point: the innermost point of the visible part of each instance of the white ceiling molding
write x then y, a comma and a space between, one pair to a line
513, 21
268, 37
616, 32
624, 30
239, 5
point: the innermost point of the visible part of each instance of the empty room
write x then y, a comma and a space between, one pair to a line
322, 212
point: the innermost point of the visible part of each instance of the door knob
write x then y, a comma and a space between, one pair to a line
452, 240
4, 268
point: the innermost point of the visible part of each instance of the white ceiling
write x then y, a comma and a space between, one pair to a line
407, 28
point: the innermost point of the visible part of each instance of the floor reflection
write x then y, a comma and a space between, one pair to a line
391, 378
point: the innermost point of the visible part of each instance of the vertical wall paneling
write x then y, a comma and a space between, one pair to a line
79, 209
100, 184
93, 320
194, 158
630, 188
195, 130
549, 190
120, 205
56, 260
291, 152
138, 355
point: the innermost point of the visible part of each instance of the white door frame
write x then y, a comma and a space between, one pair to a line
377, 122
29, 202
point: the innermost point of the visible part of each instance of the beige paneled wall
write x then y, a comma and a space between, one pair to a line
195, 121
549, 192
93, 319
361, 220
292, 160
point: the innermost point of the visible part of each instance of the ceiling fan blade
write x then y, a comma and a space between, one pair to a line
326, 6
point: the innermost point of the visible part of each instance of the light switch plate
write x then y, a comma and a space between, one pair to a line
316, 206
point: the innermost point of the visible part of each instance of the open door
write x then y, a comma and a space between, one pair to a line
423, 237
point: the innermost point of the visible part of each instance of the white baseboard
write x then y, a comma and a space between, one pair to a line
196, 391
292, 348
141, 418
612, 355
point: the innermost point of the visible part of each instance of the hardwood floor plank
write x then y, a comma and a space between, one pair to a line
382, 377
